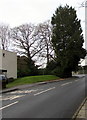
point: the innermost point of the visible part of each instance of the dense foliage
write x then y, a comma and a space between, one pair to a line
67, 41
26, 67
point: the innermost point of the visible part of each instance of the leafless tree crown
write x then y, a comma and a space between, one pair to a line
4, 36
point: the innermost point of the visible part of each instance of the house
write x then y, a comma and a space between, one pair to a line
8, 63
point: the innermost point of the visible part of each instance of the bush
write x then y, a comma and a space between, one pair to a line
10, 80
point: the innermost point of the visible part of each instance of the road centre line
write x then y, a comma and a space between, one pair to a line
8, 105
66, 83
44, 91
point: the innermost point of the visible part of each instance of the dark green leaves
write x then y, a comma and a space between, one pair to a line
67, 40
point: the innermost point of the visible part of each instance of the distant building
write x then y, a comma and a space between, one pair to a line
8, 63
84, 62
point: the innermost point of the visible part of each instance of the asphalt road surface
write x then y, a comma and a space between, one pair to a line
51, 100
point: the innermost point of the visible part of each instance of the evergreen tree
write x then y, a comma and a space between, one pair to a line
67, 39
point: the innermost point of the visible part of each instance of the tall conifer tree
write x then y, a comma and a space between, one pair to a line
67, 39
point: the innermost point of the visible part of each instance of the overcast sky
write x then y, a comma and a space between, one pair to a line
17, 12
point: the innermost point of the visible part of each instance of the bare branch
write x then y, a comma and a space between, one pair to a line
4, 36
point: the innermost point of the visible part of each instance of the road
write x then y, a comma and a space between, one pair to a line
52, 100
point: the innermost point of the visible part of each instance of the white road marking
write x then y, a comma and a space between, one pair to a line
76, 80
44, 91
11, 97
24, 91
8, 105
4, 99
16, 96
66, 83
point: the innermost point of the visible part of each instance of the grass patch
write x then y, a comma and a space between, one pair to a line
31, 79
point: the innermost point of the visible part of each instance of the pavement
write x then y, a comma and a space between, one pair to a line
80, 113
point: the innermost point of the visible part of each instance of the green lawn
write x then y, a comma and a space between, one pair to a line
31, 79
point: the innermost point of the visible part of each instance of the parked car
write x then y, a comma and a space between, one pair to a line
3, 80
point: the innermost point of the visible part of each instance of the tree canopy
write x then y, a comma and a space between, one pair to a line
67, 39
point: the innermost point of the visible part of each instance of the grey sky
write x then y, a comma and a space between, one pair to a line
16, 12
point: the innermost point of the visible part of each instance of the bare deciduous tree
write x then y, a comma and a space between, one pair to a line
34, 41
26, 39
44, 34
4, 36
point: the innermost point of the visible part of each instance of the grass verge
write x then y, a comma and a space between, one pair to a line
31, 79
